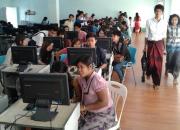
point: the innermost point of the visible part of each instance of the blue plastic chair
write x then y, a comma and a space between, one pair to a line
2, 59
132, 51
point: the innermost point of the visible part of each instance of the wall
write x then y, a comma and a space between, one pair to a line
3, 3
42, 7
175, 7
104, 8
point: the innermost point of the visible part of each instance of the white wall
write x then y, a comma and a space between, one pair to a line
175, 8
42, 7
104, 8
3, 3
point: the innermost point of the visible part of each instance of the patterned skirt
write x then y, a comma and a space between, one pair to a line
98, 121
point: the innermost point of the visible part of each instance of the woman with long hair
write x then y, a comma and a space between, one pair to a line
173, 47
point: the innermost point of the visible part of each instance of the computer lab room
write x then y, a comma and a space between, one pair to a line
89, 65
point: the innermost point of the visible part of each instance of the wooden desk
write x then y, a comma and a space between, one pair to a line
66, 119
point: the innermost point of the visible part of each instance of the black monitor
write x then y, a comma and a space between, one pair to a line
105, 43
57, 41
42, 90
75, 53
71, 35
23, 56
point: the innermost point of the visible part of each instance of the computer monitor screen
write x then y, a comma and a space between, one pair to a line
105, 43
71, 35
24, 55
75, 53
53, 87
57, 41
42, 90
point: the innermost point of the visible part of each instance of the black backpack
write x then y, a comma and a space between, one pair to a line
144, 66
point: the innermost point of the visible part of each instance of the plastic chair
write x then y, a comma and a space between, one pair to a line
117, 90
110, 69
132, 51
2, 59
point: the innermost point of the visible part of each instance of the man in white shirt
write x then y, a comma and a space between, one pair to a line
70, 22
156, 29
38, 37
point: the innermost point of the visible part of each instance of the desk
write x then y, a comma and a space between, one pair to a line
67, 118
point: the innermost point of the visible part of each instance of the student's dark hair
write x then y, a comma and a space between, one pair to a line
52, 28
45, 18
104, 30
71, 15
67, 43
75, 41
172, 16
91, 35
19, 38
92, 15
137, 14
77, 25
45, 45
159, 6
87, 60
116, 32
125, 24
59, 67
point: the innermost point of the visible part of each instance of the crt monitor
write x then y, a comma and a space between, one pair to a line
57, 41
71, 35
105, 43
42, 90
75, 53
24, 55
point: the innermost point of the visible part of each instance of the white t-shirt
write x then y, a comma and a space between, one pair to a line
70, 24
155, 30
39, 37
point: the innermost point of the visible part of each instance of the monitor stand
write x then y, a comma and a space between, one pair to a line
22, 67
43, 112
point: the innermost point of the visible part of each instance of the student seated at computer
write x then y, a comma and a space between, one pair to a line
102, 33
81, 34
100, 55
20, 40
61, 67
121, 54
38, 37
70, 22
46, 54
62, 54
125, 33
97, 110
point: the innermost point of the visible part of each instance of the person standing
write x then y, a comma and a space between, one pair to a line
137, 26
173, 47
156, 29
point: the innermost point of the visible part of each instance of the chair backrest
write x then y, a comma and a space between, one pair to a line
2, 59
118, 90
132, 51
110, 69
